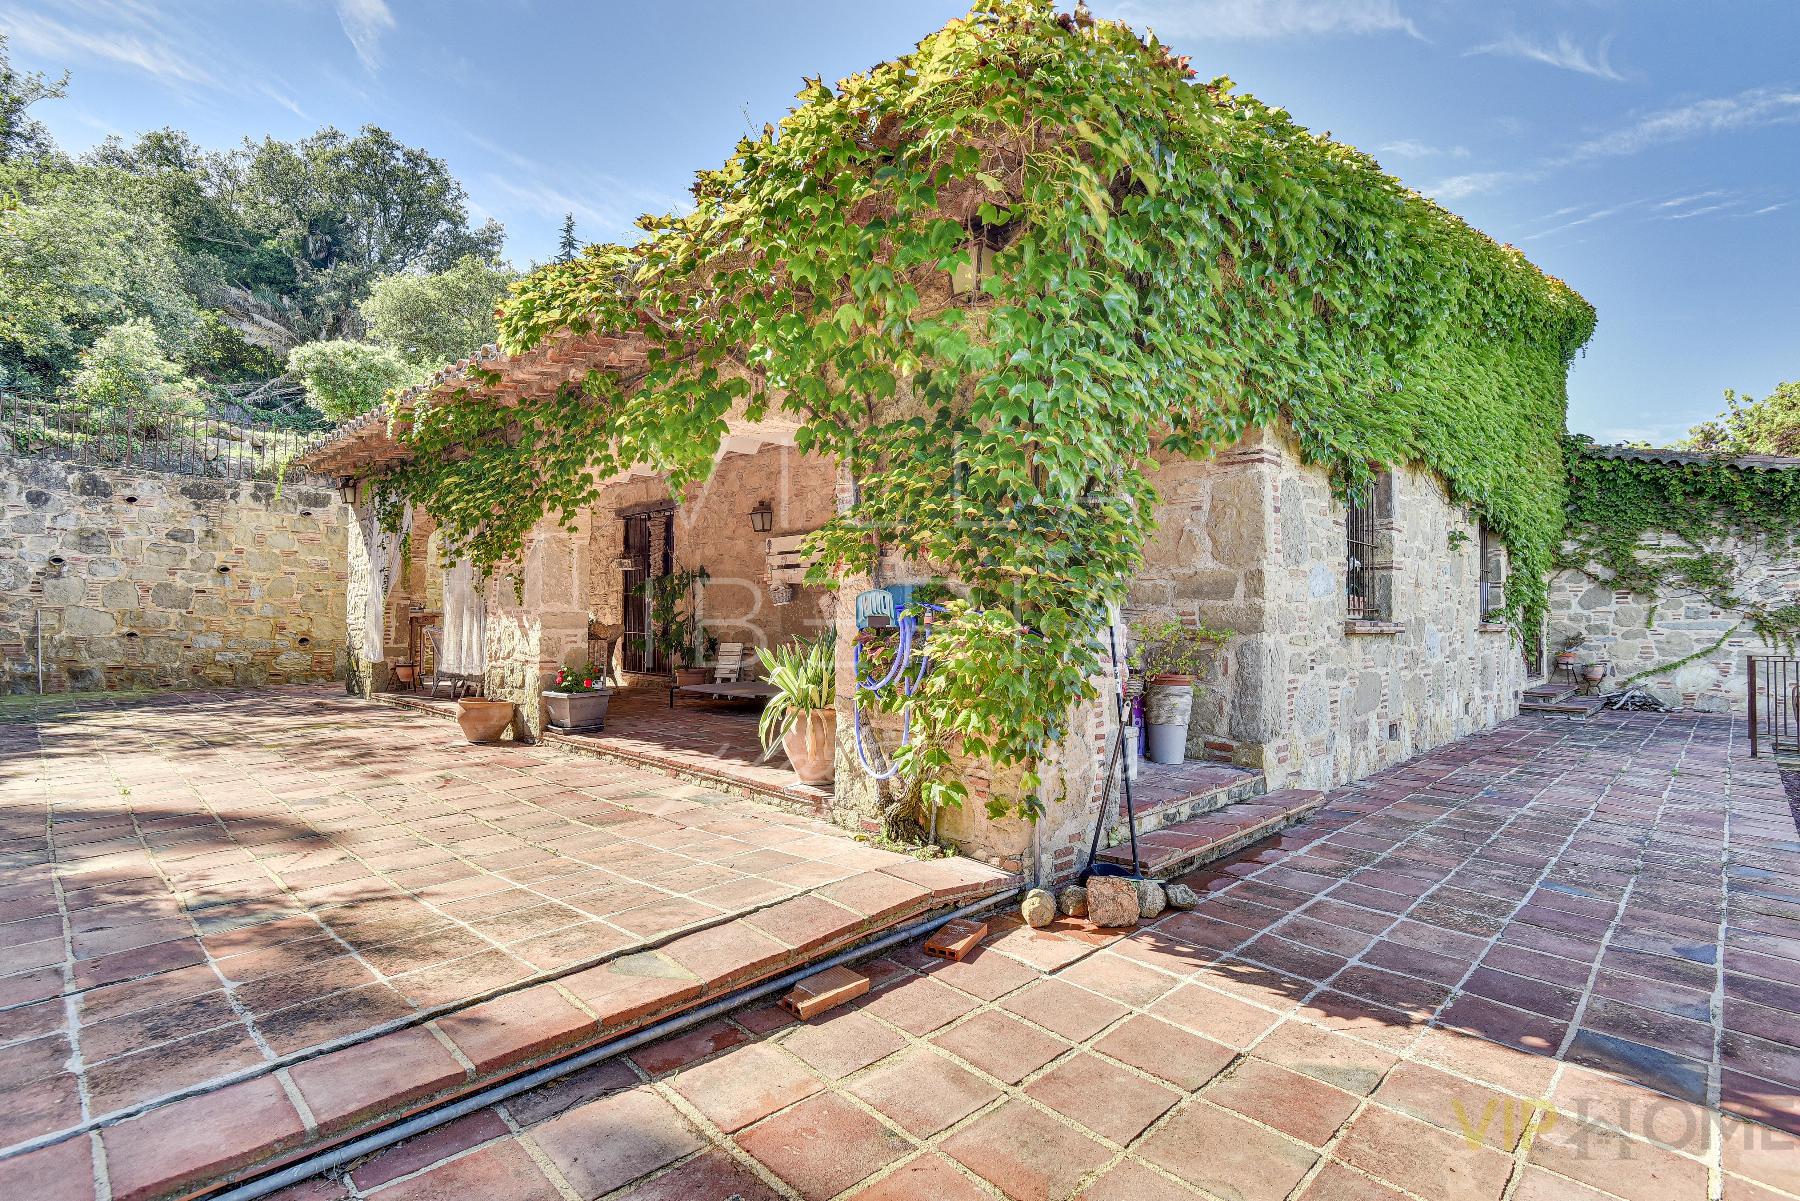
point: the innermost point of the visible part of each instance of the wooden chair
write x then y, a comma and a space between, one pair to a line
731, 663
457, 684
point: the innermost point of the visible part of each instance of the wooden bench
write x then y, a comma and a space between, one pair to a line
724, 690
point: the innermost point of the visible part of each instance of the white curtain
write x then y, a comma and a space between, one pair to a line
465, 621
384, 569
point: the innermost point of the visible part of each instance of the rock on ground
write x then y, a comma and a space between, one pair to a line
1038, 908
1182, 897
1072, 901
1112, 901
1151, 900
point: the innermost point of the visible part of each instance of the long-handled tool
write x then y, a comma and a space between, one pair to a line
1115, 763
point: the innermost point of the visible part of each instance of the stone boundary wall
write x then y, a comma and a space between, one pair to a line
146, 579
1638, 633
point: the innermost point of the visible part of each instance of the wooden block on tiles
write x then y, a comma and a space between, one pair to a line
827, 990
956, 939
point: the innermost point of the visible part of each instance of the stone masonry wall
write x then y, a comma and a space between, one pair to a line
1353, 703
149, 579
1638, 633
1207, 563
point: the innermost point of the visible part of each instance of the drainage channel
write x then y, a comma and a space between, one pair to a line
344, 1153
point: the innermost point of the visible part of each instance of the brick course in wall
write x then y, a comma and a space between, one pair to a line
146, 579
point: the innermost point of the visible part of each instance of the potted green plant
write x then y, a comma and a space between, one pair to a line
1170, 654
802, 715
675, 623
576, 700
1567, 649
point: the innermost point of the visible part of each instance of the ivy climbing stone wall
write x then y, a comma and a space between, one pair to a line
148, 579
1638, 632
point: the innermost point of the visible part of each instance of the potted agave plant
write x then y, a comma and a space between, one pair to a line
802, 715
1170, 654
576, 700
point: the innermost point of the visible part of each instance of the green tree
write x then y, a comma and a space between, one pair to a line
127, 383
223, 355
567, 247
202, 196
349, 210
81, 252
344, 378
430, 320
1770, 426
21, 135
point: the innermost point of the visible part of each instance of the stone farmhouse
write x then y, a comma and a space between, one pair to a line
1360, 634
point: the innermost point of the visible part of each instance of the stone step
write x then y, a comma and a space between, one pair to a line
1184, 846
1168, 795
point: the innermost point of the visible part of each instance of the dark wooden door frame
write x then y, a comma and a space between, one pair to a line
645, 527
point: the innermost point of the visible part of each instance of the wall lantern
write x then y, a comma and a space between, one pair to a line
347, 489
984, 240
762, 517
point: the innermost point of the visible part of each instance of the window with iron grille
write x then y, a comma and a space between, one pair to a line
1365, 581
1493, 574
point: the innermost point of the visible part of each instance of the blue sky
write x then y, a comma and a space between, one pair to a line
1648, 152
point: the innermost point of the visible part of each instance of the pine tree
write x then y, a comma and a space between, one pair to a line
566, 246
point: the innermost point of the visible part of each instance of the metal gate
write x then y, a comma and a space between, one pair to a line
1774, 705
650, 549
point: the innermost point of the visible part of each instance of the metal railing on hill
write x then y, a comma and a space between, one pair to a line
205, 444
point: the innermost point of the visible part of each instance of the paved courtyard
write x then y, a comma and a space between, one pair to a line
205, 888
1558, 962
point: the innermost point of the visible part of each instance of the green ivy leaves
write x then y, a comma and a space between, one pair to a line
1176, 265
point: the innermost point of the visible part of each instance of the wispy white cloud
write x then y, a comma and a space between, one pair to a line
1588, 218
1766, 209
605, 206
1748, 109
1753, 108
117, 34
142, 36
1676, 202
1564, 53
1263, 19
1474, 183
1702, 211
365, 22
1409, 148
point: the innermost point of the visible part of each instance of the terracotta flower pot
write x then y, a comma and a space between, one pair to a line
1594, 672
811, 746
483, 720
405, 673
1565, 659
573, 712
691, 675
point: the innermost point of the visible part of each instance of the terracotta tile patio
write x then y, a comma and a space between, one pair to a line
705, 741
1557, 962
259, 918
